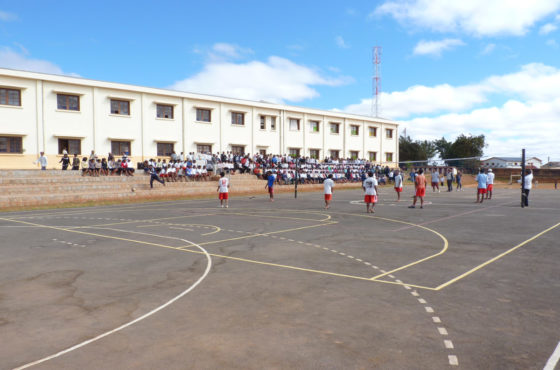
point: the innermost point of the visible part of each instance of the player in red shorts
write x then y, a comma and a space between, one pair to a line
223, 188
398, 185
370, 187
482, 180
490, 183
328, 185
420, 187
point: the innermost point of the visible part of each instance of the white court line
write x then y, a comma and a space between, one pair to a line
553, 360
124, 326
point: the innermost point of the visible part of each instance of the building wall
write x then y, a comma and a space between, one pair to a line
41, 124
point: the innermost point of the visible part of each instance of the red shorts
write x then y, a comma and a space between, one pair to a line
270, 190
398, 190
328, 196
435, 183
421, 192
224, 196
481, 191
489, 187
370, 199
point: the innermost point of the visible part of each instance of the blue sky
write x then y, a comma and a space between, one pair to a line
448, 67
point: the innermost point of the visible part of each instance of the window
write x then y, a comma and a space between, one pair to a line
372, 131
334, 154
237, 118
314, 153
388, 157
164, 111
164, 149
273, 123
120, 147
11, 144
203, 115
262, 151
72, 146
120, 107
313, 126
354, 154
10, 97
389, 133
354, 130
335, 128
373, 156
204, 148
294, 152
68, 102
238, 149
263, 122
294, 124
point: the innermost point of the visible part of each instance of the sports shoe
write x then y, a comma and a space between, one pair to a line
411, 206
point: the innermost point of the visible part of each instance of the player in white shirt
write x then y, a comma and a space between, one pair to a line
398, 185
528, 180
370, 187
328, 185
489, 183
223, 188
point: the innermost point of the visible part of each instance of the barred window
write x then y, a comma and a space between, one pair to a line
164, 111
11, 144
120, 107
10, 97
68, 102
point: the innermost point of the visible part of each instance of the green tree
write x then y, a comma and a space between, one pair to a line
464, 147
410, 150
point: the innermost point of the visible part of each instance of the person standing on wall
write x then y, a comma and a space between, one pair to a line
75, 162
42, 160
65, 160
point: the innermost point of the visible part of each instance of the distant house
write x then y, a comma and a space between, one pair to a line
511, 162
551, 165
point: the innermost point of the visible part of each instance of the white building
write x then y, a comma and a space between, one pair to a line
50, 113
511, 162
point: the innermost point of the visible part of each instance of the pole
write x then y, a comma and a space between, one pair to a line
296, 177
522, 178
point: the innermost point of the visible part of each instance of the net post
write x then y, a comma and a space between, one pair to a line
522, 178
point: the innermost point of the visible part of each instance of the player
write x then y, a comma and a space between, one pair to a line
271, 179
435, 180
370, 187
328, 185
223, 188
420, 187
528, 179
490, 183
482, 180
398, 184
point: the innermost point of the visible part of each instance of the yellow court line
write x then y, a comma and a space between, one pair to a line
266, 234
182, 249
290, 218
149, 220
495, 258
138, 232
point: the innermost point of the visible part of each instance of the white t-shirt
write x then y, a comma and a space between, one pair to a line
370, 183
328, 184
528, 181
223, 183
435, 177
398, 181
490, 178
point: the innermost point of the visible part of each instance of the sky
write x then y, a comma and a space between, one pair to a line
447, 67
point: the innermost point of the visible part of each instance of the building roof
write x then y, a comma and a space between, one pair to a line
510, 159
183, 94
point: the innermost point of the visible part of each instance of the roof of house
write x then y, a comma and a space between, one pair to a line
511, 159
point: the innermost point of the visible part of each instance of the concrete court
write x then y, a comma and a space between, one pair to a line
285, 284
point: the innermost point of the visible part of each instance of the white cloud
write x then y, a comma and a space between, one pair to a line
7, 16
548, 28
436, 47
21, 61
276, 80
222, 51
475, 17
529, 118
488, 49
341, 43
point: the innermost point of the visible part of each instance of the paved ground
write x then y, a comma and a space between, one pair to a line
184, 284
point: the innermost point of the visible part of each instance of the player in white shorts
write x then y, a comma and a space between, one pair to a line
328, 185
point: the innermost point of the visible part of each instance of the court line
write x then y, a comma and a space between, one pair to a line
495, 258
148, 220
130, 323
185, 249
553, 360
290, 218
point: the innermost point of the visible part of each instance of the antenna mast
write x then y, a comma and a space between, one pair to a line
376, 80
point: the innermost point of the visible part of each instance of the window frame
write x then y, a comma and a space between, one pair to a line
389, 133
120, 101
206, 146
67, 106
337, 151
200, 115
333, 125
68, 140
297, 121
312, 127
158, 106
164, 144
120, 144
235, 149
272, 123
374, 131
6, 100
262, 122
387, 155
374, 159
10, 142
357, 128
311, 153
234, 121
357, 152
294, 152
